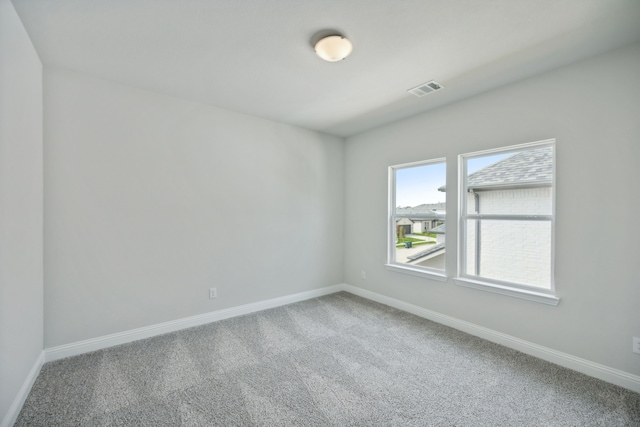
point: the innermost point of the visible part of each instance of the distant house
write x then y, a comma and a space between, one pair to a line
404, 224
427, 216
421, 219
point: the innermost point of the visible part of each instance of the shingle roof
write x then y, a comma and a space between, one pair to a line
525, 167
439, 229
423, 211
434, 248
529, 167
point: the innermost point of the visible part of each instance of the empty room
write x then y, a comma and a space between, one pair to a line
319, 213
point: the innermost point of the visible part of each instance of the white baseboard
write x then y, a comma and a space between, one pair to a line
605, 373
15, 408
99, 343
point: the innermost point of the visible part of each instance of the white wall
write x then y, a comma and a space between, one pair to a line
147, 201
592, 108
20, 207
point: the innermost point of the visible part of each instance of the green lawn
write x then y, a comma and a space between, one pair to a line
409, 239
427, 234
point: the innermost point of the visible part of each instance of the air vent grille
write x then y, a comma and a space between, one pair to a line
425, 88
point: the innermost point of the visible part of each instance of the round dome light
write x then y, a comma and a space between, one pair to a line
333, 48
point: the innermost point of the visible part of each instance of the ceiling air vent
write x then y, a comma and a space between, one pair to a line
425, 88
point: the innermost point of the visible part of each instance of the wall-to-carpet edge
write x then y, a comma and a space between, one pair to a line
605, 373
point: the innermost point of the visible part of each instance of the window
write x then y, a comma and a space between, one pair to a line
507, 221
417, 210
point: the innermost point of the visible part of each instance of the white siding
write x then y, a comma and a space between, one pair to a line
518, 201
513, 251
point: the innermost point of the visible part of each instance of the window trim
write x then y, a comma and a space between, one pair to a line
532, 293
392, 264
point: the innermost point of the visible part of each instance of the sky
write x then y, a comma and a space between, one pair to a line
419, 184
477, 163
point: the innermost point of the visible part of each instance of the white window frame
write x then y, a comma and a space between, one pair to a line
392, 264
533, 293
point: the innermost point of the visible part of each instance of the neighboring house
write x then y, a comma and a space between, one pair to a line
406, 225
430, 216
518, 184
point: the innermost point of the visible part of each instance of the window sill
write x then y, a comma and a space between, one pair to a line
442, 277
530, 295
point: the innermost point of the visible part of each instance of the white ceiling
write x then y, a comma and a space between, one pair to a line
255, 57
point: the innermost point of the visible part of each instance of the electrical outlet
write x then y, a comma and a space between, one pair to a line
363, 275
213, 293
636, 345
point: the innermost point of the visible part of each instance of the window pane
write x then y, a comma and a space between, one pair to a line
419, 215
510, 251
513, 183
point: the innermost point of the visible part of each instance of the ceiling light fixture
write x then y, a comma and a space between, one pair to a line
333, 48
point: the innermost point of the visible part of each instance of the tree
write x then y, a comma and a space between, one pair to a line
400, 233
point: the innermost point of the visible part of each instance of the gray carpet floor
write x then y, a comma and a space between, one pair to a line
338, 360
